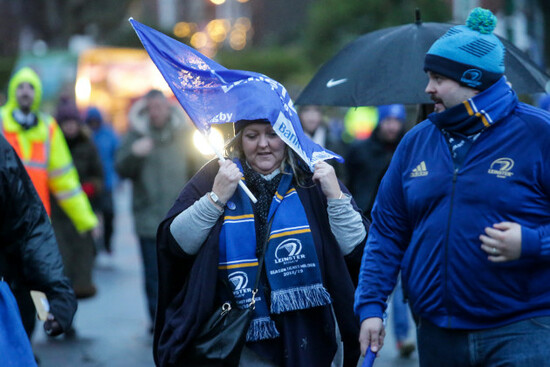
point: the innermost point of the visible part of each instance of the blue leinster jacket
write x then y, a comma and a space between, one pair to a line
428, 217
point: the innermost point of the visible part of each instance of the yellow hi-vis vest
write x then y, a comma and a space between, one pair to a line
47, 159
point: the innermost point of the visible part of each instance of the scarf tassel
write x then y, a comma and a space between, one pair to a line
262, 328
293, 299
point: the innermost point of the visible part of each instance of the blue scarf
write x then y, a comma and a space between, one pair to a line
463, 123
291, 264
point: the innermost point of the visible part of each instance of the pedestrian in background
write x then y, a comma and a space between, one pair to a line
204, 242
106, 142
464, 212
317, 128
29, 257
367, 160
39, 143
366, 163
78, 249
155, 155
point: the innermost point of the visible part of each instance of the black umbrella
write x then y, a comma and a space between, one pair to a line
386, 66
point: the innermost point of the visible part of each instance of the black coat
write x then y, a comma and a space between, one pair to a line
29, 256
366, 163
188, 284
88, 166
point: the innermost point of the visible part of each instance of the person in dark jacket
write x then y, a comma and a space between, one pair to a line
367, 160
78, 250
316, 226
366, 163
464, 212
29, 257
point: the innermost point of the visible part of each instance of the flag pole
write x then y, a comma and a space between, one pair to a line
222, 158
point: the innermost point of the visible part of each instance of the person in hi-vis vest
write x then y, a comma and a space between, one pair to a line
39, 142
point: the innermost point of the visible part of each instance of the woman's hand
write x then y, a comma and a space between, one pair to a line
226, 180
324, 174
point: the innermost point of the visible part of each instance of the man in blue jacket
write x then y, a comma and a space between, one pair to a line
464, 212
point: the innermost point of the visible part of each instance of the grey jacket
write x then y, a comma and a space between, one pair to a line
157, 178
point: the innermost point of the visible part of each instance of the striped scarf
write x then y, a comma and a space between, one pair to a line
463, 123
291, 264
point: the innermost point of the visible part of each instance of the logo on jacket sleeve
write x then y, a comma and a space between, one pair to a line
420, 170
502, 167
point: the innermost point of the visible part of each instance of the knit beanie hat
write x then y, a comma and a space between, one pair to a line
396, 111
67, 110
239, 125
469, 54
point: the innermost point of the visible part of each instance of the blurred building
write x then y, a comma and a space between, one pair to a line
520, 21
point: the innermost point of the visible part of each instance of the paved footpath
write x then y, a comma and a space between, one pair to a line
112, 327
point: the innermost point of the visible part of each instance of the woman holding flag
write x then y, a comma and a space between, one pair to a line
211, 244
212, 238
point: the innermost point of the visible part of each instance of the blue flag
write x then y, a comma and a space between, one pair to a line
213, 94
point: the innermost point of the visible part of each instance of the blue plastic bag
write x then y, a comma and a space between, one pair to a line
15, 347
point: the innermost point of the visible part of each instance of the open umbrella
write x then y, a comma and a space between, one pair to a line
386, 66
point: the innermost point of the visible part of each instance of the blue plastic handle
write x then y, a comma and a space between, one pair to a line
369, 358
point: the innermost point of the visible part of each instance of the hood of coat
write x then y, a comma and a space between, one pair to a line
139, 119
27, 75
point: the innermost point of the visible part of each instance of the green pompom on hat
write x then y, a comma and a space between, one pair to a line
469, 54
481, 20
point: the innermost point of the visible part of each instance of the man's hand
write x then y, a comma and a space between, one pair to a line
142, 147
52, 327
373, 334
502, 242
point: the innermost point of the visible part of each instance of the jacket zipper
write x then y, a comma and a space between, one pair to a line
446, 255
446, 301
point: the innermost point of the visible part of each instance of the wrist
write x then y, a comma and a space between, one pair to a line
337, 196
215, 199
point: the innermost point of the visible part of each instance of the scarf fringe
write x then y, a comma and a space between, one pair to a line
262, 328
293, 299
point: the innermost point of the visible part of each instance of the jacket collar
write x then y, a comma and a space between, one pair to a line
479, 112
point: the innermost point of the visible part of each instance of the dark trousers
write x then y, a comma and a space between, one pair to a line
520, 344
106, 208
148, 248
